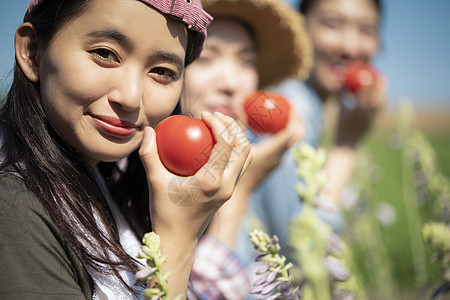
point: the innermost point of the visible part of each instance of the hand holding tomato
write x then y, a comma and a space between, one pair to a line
266, 112
183, 206
358, 75
182, 220
184, 144
359, 108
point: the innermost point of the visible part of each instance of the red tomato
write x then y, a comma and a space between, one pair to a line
359, 74
266, 112
184, 144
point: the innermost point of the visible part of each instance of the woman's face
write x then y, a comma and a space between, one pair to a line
109, 73
225, 74
341, 31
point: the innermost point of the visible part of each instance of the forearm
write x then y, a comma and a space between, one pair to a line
225, 225
178, 242
180, 258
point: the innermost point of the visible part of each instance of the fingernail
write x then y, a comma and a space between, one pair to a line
218, 113
147, 133
206, 113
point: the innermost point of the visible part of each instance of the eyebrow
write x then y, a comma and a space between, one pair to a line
243, 50
171, 57
112, 34
127, 43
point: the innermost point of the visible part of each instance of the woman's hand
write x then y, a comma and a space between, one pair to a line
188, 203
355, 119
267, 155
358, 111
182, 207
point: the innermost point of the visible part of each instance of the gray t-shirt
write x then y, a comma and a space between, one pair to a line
35, 261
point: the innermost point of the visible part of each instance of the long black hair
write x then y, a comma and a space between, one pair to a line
65, 185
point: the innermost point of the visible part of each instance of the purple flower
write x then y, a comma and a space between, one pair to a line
335, 243
260, 257
272, 275
441, 290
273, 297
256, 289
285, 288
275, 272
337, 271
260, 281
262, 270
269, 288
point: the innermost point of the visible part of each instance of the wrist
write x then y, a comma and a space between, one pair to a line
178, 251
347, 140
171, 239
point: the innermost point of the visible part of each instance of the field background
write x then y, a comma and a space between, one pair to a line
395, 239
391, 258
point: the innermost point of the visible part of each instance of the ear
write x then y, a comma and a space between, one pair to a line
26, 47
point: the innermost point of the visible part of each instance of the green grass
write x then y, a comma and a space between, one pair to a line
396, 238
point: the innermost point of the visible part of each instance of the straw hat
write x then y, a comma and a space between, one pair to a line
284, 48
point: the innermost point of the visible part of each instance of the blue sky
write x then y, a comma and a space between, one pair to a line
415, 56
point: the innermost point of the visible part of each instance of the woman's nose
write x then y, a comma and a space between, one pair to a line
350, 43
128, 90
228, 79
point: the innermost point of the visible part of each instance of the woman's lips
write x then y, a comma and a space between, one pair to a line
226, 110
115, 126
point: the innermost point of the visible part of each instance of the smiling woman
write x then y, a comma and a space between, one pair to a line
91, 80
110, 72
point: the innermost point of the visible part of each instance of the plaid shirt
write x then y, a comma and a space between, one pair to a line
217, 273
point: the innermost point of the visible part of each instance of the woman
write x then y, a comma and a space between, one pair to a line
251, 45
91, 79
341, 32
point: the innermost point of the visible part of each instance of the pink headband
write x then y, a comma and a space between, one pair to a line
189, 12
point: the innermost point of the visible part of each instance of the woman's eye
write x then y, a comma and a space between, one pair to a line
203, 59
248, 61
369, 29
331, 23
163, 75
105, 55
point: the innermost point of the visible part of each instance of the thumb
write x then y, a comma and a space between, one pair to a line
149, 153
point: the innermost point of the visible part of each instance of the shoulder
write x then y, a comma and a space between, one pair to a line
20, 210
14, 194
10, 182
299, 93
292, 87
17, 203
35, 259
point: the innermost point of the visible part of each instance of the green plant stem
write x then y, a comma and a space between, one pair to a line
320, 286
377, 259
412, 216
311, 252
